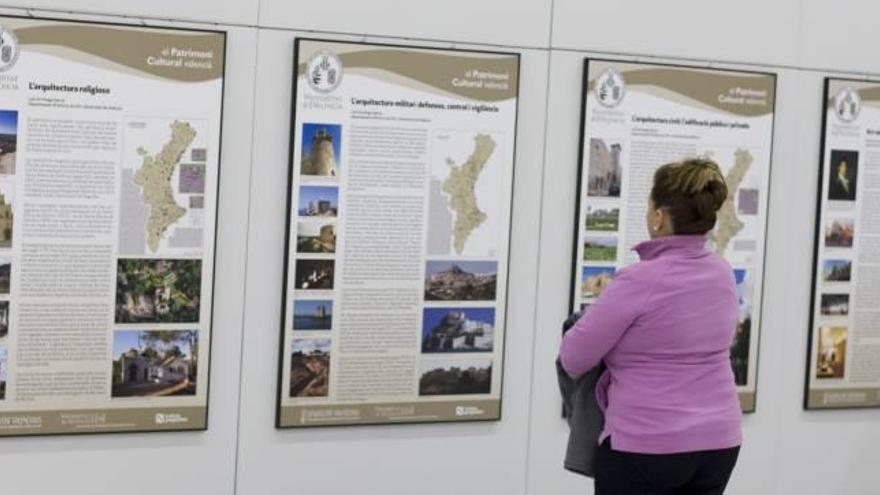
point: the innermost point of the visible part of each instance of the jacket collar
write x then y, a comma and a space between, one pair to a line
661, 246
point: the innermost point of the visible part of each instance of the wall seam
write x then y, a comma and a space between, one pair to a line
536, 297
246, 264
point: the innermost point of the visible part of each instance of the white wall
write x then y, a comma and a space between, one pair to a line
787, 450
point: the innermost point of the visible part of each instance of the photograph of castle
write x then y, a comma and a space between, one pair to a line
831, 359
312, 237
603, 219
315, 274
8, 141
312, 314
455, 377
742, 338
604, 174
840, 233
310, 368
158, 290
154, 363
458, 330
321, 149
318, 201
461, 280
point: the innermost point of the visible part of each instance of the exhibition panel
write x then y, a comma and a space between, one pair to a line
399, 203
108, 207
844, 359
639, 116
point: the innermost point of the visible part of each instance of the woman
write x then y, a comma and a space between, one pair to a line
664, 327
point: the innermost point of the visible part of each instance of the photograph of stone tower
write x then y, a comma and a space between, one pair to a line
605, 170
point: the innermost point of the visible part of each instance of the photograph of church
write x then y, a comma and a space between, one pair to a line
154, 363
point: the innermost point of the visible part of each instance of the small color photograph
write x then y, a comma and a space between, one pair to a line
832, 352
594, 279
321, 149
455, 377
843, 175
603, 219
840, 233
310, 368
458, 330
192, 178
461, 280
158, 290
318, 201
154, 363
600, 248
314, 274
3, 373
8, 141
4, 318
315, 237
5, 274
604, 174
312, 314
837, 270
835, 305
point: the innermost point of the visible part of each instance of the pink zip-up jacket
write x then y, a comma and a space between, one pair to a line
664, 328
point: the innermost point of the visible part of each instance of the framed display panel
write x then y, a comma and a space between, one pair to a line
109, 173
398, 228
636, 117
843, 366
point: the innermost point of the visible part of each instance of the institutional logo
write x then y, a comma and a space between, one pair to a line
160, 419
610, 88
847, 104
324, 71
8, 49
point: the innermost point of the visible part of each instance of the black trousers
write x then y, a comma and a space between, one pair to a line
691, 473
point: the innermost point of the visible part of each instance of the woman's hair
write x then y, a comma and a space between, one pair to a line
691, 191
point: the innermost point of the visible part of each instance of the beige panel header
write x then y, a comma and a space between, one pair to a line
487, 77
739, 93
179, 55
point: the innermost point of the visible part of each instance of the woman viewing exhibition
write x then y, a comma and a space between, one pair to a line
664, 328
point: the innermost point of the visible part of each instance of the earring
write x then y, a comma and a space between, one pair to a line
656, 228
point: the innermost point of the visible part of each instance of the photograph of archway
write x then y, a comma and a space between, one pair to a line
155, 363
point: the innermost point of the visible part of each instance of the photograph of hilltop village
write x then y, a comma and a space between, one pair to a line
310, 368
461, 280
8, 141
154, 363
459, 377
458, 330
158, 291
